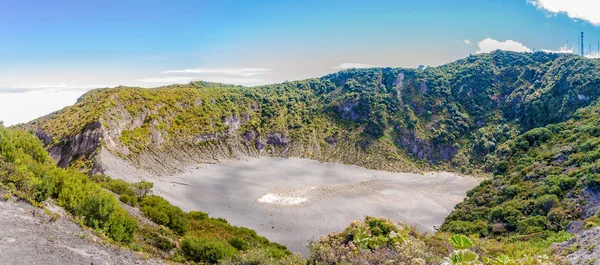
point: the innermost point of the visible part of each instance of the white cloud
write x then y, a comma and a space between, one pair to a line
468, 42
489, 45
576, 9
563, 49
352, 65
594, 55
25, 106
50, 87
246, 72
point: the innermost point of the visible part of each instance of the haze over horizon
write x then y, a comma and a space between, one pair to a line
53, 52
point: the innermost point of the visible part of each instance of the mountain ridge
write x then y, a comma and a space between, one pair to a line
382, 118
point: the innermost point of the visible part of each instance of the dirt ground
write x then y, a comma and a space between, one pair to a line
292, 201
29, 236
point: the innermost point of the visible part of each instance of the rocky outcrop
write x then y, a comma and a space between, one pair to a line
278, 139
583, 248
82, 145
592, 197
423, 149
347, 112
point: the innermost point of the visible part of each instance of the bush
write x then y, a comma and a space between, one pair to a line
122, 227
197, 215
206, 250
239, 243
118, 186
468, 228
380, 226
537, 136
163, 243
131, 200
142, 188
544, 203
162, 212
532, 224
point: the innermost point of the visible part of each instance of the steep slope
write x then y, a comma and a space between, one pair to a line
28, 173
29, 236
547, 179
381, 118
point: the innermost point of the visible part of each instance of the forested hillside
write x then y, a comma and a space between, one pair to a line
382, 118
544, 179
528, 121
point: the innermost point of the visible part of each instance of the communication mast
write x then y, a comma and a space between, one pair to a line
581, 49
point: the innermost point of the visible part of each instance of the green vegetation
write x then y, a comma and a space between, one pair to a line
29, 173
527, 121
541, 181
211, 251
380, 241
447, 117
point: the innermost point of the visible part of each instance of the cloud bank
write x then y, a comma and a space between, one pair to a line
489, 45
576, 9
563, 49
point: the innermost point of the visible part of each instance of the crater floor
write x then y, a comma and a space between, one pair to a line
292, 201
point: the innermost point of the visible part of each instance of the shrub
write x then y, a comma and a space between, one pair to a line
222, 220
197, 215
544, 203
97, 208
131, 200
537, 136
162, 212
238, 243
142, 188
469, 228
532, 224
118, 186
122, 226
163, 243
380, 226
206, 250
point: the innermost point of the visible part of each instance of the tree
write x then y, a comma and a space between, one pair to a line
142, 188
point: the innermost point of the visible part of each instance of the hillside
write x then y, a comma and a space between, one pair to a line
528, 121
380, 118
117, 212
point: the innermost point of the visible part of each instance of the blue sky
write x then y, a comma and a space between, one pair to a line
54, 47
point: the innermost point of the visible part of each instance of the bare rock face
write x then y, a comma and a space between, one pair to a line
83, 144
44, 137
423, 149
592, 197
347, 111
233, 123
586, 246
249, 136
278, 139
260, 144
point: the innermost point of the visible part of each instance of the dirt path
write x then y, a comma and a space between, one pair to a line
27, 236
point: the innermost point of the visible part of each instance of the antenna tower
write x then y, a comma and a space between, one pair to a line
581, 50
